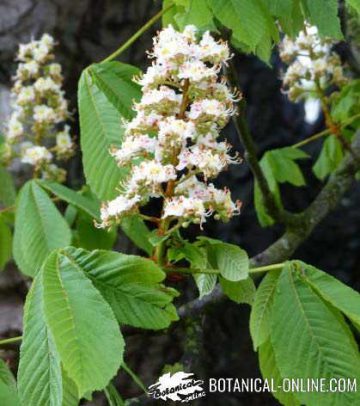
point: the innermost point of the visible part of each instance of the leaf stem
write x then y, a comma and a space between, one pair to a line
327, 131
134, 377
11, 340
138, 33
266, 268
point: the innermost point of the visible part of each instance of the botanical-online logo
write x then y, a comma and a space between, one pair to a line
180, 386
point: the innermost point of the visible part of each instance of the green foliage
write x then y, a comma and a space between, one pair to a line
39, 228
90, 237
5, 242
189, 12
113, 397
346, 103
270, 370
240, 291
135, 229
324, 14
8, 392
231, 260
89, 204
261, 309
131, 285
333, 291
7, 188
319, 343
82, 323
355, 4
279, 166
106, 93
39, 375
205, 283
330, 157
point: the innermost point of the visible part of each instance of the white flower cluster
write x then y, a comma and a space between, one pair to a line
36, 131
171, 144
312, 64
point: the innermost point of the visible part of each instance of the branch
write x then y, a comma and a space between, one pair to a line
282, 249
242, 128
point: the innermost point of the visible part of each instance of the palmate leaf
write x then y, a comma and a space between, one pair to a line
261, 309
311, 340
39, 375
83, 325
135, 229
131, 285
39, 228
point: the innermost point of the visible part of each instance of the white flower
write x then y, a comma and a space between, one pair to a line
15, 128
40, 53
44, 114
186, 208
196, 71
35, 155
117, 207
55, 69
163, 99
28, 69
43, 85
212, 51
208, 110
149, 176
173, 137
132, 147
64, 142
26, 95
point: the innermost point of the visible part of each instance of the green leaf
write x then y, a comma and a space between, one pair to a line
39, 376
245, 19
345, 104
335, 292
8, 395
8, 392
135, 229
354, 4
261, 309
113, 396
324, 14
195, 12
82, 323
70, 391
205, 283
115, 80
7, 188
329, 159
39, 228
100, 127
280, 8
231, 260
270, 371
89, 205
90, 237
239, 292
5, 243
311, 340
6, 375
279, 166
131, 285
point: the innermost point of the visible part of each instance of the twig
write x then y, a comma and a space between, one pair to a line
138, 34
242, 128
